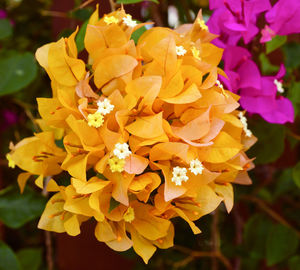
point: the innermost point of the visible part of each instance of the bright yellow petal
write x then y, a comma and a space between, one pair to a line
226, 191
72, 225
49, 220
223, 148
92, 185
147, 127
148, 225
188, 96
22, 180
113, 67
142, 246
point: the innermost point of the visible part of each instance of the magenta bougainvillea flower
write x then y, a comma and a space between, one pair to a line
8, 118
283, 19
235, 19
259, 94
3, 14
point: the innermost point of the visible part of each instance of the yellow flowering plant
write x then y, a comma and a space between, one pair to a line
156, 131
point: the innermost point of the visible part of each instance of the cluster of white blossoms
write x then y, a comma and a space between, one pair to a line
179, 173
279, 87
121, 150
243, 119
219, 84
128, 21
117, 162
97, 119
196, 166
180, 50
105, 107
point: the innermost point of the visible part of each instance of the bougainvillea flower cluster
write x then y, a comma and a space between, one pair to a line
282, 19
140, 134
259, 94
235, 19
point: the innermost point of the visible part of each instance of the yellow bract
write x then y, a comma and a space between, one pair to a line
141, 111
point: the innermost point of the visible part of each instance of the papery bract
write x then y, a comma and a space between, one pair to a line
235, 19
259, 94
282, 19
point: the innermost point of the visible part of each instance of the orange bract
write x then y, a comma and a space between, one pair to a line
156, 133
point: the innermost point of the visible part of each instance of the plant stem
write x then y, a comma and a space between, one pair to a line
186, 11
49, 250
48, 236
268, 210
156, 15
215, 238
238, 234
84, 4
112, 5
201, 254
54, 14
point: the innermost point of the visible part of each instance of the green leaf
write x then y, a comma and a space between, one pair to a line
16, 72
284, 183
101, 176
80, 36
294, 92
30, 258
60, 143
137, 33
265, 194
113, 204
134, 1
270, 144
17, 209
8, 260
294, 263
282, 242
255, 235
296, 174
82, 14
6, 29
292, 55
266, 65
275, 43
294, 96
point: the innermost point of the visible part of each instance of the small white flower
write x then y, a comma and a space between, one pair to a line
180, 50
243, 119
105, 107
196, 166
121, 150
279, 86
179, 175
219, 84
128, 21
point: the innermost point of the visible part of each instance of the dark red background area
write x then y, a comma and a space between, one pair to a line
84, 251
